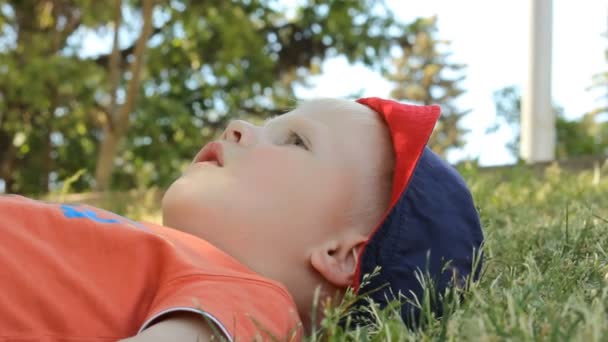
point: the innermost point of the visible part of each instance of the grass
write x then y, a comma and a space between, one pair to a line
545, 275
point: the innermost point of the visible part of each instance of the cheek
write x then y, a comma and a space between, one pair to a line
294, 187
275, 167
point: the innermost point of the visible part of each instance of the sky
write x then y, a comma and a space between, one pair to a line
491, 37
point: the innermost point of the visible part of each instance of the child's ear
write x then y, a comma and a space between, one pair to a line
336, 260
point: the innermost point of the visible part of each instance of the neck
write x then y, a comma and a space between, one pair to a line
302, 287
303, 299
304, 290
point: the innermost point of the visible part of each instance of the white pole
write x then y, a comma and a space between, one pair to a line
538, 135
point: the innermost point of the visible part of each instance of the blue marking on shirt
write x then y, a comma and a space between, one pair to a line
71, 212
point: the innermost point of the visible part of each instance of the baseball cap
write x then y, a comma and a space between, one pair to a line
431, 227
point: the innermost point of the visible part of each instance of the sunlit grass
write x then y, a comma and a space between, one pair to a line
545, 275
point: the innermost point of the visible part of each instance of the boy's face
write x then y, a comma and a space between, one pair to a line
282, 187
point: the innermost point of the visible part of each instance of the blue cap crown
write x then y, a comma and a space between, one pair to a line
431, 226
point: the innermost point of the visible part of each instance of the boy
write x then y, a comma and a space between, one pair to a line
263, 217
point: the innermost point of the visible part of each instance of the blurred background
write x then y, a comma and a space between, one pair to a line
121, 94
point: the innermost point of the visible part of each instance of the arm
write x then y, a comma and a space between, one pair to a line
178, 327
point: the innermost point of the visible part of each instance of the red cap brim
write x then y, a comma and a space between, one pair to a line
410, 127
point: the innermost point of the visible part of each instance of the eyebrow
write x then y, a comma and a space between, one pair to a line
268, 119
310, 127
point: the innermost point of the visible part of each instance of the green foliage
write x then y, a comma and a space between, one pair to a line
219, 62
600, 81
508, 110
206, 63
423, 74
586, 136
545, 275
46, 95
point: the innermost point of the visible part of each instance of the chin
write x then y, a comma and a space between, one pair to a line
176, 202
187, 203
169, 203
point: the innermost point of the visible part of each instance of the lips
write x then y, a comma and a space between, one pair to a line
212, 152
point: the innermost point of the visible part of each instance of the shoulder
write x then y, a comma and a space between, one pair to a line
180, 326
245, 307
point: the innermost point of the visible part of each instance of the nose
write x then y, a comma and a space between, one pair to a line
240, 132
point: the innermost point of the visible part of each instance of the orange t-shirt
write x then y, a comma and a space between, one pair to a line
74, 272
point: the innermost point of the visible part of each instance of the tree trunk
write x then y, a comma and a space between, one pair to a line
105, 160
118, 116
48, 160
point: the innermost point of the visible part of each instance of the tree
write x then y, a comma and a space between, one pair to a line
507, 102
597, 119
193, 89
422, 74
116, 119
600, 81
40, 83
586, 136
138, 110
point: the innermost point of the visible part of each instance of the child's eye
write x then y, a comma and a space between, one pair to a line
296, 140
